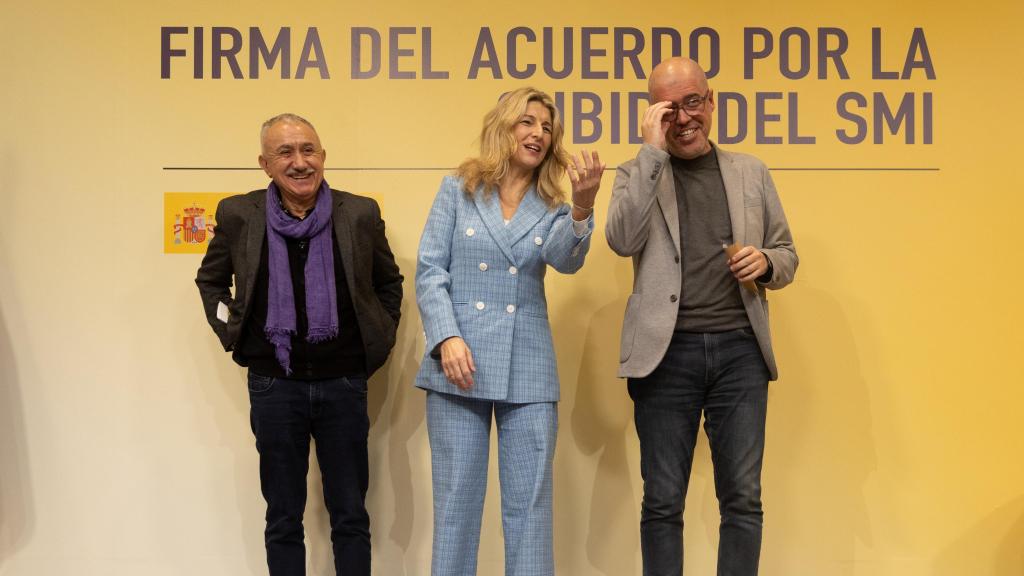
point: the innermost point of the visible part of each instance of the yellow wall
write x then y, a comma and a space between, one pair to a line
894, 433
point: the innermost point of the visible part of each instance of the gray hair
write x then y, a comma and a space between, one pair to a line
286, 117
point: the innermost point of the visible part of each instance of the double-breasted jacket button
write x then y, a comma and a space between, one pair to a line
470, 231
510, 308
538, 240
513, 270
480, 306
483, 266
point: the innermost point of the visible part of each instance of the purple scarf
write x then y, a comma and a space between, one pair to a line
321, 292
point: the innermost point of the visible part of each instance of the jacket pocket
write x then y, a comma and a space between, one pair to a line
259, 384
629, 325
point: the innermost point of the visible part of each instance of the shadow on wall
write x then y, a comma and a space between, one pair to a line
600, 421
994, 546
228, 388
820, 448
17, 519
319, 553
405, 415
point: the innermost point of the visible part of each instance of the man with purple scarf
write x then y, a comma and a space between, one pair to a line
316, 305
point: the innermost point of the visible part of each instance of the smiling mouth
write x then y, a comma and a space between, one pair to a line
532, 147
686, 133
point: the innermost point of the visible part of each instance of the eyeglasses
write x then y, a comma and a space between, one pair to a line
691, 105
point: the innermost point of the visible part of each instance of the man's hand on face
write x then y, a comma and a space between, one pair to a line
655, 124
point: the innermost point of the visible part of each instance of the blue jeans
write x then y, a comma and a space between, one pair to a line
723, 376
284, 415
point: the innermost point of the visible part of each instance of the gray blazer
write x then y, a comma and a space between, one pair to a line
643, 222
374, 281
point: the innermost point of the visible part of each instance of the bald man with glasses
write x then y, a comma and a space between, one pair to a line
707, 235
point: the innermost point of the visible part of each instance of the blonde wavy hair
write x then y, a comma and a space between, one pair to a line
497, 145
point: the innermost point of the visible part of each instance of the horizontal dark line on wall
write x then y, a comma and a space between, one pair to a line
348, 169
851, 169
607, 168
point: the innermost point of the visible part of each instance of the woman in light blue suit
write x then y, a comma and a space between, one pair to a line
494, 228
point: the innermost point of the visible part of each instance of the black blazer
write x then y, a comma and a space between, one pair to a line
374, 280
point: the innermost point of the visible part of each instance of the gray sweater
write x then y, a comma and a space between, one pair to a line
710, 297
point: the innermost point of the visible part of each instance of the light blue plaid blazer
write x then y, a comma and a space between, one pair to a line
484, 281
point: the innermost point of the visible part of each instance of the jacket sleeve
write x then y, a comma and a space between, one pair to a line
215, 274
563, 250
433, 267
778, 241
633, 198
387, 278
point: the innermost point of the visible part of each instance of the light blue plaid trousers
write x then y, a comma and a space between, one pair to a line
459, 430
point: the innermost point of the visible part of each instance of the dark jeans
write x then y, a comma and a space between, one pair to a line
724, 376
284, 415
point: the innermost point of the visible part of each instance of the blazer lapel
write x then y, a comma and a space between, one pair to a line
489, 209
530, 211
257, 222
732, 178
666, 192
